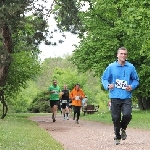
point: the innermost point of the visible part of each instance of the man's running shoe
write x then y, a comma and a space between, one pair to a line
77, 122
73, 118
67, 118
117, 141
54, 119
123, 134
64, 119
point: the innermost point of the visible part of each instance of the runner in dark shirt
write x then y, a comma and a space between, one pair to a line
65, 102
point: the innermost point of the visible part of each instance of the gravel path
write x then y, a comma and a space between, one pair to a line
89, 135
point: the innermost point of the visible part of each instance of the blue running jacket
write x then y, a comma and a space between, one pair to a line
120, 76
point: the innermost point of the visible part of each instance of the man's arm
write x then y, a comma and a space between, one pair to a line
134, 78
50, 90
105, 78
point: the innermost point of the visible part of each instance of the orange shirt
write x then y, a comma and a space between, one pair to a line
76, 96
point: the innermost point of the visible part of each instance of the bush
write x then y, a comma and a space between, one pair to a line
40, 104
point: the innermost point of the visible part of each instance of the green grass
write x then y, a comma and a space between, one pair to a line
19, 133
140, 119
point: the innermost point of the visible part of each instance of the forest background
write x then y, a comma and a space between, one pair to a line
102, 28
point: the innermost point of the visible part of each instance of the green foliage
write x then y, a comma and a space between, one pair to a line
25, 33
66, 73
62, 70
20, 102
30, 34
66, 15
69, 76
103, 102
20, 38
40, 104
23, 68
109, 25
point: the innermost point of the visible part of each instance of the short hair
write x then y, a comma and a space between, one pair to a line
121, 48
54, 80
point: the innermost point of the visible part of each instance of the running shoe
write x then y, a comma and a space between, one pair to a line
117, 141
77, 122
123, 134
67, 118
73, 118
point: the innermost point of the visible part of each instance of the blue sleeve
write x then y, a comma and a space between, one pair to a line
134, 78
105, 78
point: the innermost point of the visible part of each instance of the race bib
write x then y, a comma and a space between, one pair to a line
64, 101
121, 84
77, 98
56, 92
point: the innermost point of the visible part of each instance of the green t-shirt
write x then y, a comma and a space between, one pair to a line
54, 96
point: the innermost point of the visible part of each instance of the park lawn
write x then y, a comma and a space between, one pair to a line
140, 119
19, 133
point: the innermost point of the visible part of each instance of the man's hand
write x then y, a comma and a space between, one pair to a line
48, 92
129, 88
110, 86
62, 93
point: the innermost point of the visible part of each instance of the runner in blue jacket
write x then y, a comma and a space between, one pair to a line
120, 78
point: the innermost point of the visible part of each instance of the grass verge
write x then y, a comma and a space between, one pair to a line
140, 119
19, 133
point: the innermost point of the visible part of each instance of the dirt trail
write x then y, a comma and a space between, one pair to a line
89, 135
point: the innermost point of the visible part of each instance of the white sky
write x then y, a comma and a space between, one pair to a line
59, 50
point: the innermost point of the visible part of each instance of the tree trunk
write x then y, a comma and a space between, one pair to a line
144, 99
144, 103
5, 61
148, 103
140, 102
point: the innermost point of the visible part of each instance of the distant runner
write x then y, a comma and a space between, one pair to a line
65, 102
54, 91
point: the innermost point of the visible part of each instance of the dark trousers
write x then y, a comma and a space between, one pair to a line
77, 111
121, 112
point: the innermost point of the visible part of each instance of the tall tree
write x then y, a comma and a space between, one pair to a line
110, 25
12, 21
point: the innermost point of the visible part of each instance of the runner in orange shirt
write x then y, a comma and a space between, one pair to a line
76, 95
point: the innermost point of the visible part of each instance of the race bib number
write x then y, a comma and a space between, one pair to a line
121, 84
77, 98
64, 101
56, 92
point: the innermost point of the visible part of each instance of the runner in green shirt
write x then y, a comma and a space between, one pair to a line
54, 91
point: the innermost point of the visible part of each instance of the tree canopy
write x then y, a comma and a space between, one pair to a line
108, 25
23, 27
102, 26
